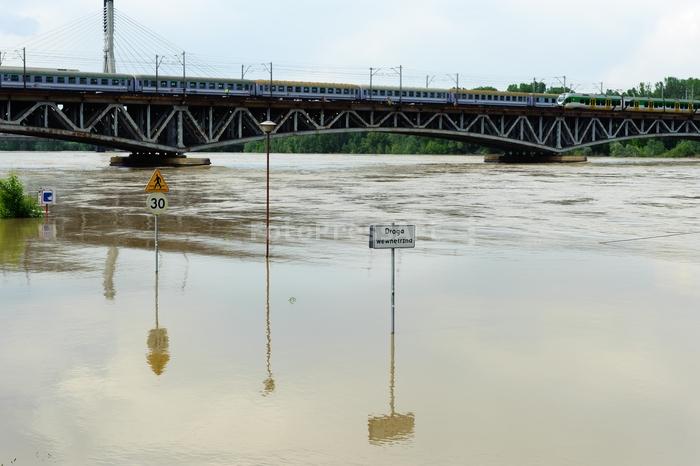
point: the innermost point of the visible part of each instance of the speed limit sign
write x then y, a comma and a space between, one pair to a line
157, 203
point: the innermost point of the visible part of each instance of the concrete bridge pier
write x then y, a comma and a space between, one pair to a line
157, 159
521, 157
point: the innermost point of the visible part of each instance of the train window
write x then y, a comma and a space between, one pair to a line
306, 89
164, 84
49, 79
202, 85
338, 91
411, 94
274, 88
346, 91
14, 78
323, 90
37, 79
173, 84
93, 81
220, 85
212, 85
192, 85
104, 82
115, 82
314, 90
71, 80
290, 88
229, 86
83, 80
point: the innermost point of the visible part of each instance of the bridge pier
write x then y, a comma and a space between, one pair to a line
157, 159
519, 157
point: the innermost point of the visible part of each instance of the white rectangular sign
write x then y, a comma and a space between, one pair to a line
47, 196
392, 236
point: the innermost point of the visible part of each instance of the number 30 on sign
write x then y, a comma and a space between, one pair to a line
157, 203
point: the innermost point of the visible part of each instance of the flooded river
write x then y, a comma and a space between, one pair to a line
530, 332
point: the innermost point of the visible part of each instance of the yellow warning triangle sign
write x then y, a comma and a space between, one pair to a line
157, 183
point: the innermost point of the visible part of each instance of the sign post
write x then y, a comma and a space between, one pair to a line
47, 197
392, 237
157, 202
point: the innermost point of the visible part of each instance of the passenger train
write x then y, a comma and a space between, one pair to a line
75, 80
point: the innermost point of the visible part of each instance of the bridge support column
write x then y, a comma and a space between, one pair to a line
157, 159
515, 157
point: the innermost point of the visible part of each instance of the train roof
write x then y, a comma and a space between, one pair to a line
307, 84
193, 78
61, 72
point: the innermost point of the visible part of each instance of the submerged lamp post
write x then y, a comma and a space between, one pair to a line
268, 127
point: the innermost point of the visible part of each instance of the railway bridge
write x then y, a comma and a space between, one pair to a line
172, 125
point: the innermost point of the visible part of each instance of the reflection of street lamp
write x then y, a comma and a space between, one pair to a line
268, 127
269, 383
394, 427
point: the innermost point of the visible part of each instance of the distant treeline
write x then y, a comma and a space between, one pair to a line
44, 145
365, 143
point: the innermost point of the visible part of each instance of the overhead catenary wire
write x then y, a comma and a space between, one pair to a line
670, 235
79, 44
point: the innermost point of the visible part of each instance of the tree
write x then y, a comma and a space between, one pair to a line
14, 203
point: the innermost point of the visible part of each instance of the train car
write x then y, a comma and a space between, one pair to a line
149, 84
298, 90
649, 104
503, 99
410, 95
592, 102
65, 80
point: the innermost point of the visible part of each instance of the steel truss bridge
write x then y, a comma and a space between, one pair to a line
146, 124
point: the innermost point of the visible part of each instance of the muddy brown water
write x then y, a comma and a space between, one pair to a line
521, 339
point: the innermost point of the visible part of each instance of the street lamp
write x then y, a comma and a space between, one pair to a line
268, 127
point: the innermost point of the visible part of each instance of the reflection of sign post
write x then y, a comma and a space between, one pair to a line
47, 197
393, 427
392, 237
156, 202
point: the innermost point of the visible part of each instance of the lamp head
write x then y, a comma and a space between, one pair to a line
268, 126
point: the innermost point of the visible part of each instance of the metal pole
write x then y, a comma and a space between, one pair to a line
184, 73
393, 290
270, 79
400, 83
157, 66
267, 209
24, 66
156, 245
371, 77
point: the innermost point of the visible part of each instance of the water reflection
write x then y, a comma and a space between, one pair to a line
15, 235
110, 267
269, 383
394, 427
158, 344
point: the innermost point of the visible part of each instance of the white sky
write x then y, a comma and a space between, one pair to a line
618, 42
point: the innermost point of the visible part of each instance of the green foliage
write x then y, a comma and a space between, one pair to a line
533, 87
685, 149
14, 203
364, 143
485, 88
669, 88
44, 145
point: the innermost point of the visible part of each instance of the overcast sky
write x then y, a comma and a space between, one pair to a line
618, 42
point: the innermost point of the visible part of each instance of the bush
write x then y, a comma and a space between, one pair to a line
14, 203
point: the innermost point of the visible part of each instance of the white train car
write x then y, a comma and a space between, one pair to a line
65, 80
150, 84
411, 95
296, 90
